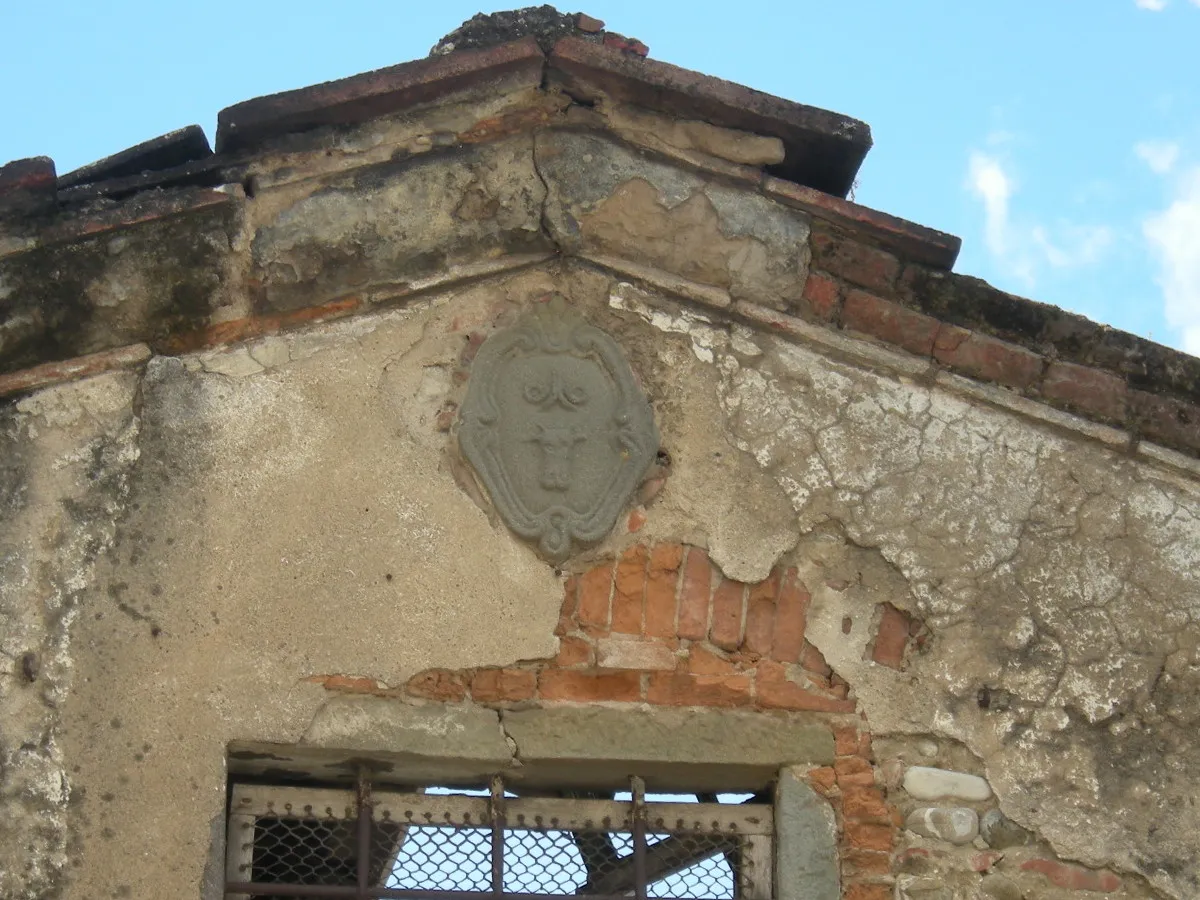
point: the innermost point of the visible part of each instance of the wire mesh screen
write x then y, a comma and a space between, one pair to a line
290, 842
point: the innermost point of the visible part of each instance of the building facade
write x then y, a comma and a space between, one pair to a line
541, 411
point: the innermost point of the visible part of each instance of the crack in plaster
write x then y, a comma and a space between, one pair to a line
1022, 549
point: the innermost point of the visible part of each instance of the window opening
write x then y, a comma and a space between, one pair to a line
374, 843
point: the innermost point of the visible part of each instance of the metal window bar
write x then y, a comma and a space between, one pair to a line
372, 844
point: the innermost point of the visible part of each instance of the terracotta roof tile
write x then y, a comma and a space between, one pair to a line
824, 149
27, 185
167, 151
384, 91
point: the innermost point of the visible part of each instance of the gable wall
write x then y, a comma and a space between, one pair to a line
206, 542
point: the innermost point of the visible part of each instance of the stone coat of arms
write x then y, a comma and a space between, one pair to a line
557, 428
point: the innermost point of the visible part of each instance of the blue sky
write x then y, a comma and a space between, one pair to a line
1059, 138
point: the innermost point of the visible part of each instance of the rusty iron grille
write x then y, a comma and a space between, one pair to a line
287, 841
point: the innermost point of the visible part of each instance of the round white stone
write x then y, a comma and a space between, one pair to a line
925, 783
956, 825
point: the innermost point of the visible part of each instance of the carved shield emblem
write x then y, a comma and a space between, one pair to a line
556, 428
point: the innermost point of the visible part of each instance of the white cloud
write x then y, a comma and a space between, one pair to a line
1160, 156
988, 181
1022, 247
1174, 237
1153, 5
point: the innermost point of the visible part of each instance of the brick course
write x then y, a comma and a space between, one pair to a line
684, 635
662, 625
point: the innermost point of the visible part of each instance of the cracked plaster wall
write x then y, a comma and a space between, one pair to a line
1056, 574
65, 458
227, 524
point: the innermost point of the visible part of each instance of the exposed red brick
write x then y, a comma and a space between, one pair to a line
864, 803
1175, 423
866, 891
637, 519
628, 591
870, 836
773, 690
497, 685
823, 778
69, 369
845, 741
595, 589
813, 660
438, 684
349, 684
1087, 390
573, 651
727, 602
566, 614
683, 689
857, 263
694, 595
1074, 878
823, 294
587, 686
890, 322
791, 618
986, 358
854, 770
892, 637
789, 695
760, 615
704, 662
665, 560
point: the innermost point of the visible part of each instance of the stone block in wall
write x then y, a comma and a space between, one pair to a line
805, 842
424, 742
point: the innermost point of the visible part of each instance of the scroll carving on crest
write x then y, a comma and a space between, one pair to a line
557, 428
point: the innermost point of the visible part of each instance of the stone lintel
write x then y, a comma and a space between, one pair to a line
673, 749
409, 744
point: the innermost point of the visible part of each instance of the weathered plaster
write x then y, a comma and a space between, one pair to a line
1055, 573
65, 458
287, 520
606, 198
234, 522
